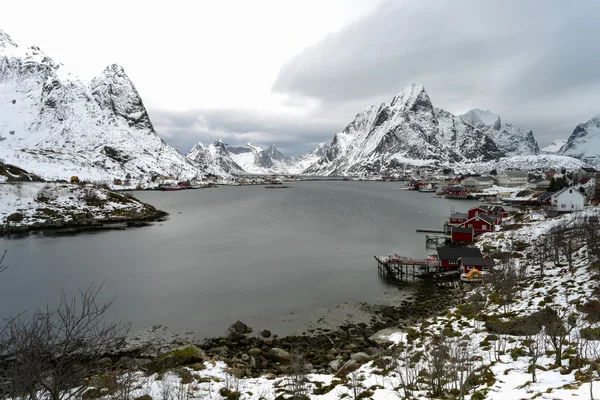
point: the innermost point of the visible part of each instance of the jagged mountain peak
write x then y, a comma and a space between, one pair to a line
409, 95
481, 118
555, 146
6, 41
407, 130
57, 125
584, 142
509, 138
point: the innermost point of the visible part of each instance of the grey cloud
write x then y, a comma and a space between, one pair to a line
534, 63
293, 135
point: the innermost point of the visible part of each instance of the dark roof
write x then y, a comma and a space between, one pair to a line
487, 218
458, 229
454, 253
459, 215
495, 209
480, 207
545, 195
455, 189
477, 261
480, 178
589, 169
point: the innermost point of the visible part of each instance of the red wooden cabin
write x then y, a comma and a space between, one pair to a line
473, 212
481, 223
459, 234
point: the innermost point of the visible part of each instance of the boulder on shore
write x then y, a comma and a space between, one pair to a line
182, 356
279, 355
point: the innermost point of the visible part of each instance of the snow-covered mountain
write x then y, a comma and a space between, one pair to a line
510, 139
214, 158
407, 130
584, 142
255, 160
554, 147
56, 125
308, 159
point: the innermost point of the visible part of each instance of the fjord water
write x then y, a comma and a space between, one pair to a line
270, 258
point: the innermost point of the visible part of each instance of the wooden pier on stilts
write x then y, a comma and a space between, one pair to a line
397, 268
433, 241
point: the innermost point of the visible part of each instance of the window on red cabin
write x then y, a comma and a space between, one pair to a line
452, 262
484, 227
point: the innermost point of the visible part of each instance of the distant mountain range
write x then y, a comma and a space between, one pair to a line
411, 131
56, 125
222, 159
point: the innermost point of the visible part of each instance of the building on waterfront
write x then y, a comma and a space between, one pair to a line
476, 183
512, 178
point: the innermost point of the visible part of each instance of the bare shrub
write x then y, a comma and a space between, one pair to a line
52, 352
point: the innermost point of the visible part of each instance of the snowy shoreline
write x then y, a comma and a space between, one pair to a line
61, 208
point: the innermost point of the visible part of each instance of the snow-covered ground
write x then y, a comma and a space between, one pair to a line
42, 204
498, 366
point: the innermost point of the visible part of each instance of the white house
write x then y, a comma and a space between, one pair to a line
512, 178
568, 200
539, 184
475, 183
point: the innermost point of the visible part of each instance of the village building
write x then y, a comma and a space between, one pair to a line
479, 263
568, 200
449, 256
457, 218
473, 212
539, 184
494, 211
586, 186
476, 183
584, 172
465, 235
456, 192
512, 178
480, 223
546, 198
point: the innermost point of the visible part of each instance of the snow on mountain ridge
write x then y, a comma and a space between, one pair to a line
6, 41
584, 142
408, 128
555, 146
56, 125
510, 139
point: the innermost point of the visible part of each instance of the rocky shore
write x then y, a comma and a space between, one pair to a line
322, 350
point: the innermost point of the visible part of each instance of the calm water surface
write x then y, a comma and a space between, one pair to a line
267, 257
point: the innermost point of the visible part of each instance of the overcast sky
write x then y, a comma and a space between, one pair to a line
293, 73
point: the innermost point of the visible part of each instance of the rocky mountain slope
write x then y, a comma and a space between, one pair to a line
510, 139
56, 126
584, 142
407, 130
221, 158
214, 159
308, 159
255, 160
554, 147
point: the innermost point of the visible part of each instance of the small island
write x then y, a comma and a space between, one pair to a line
64, 208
